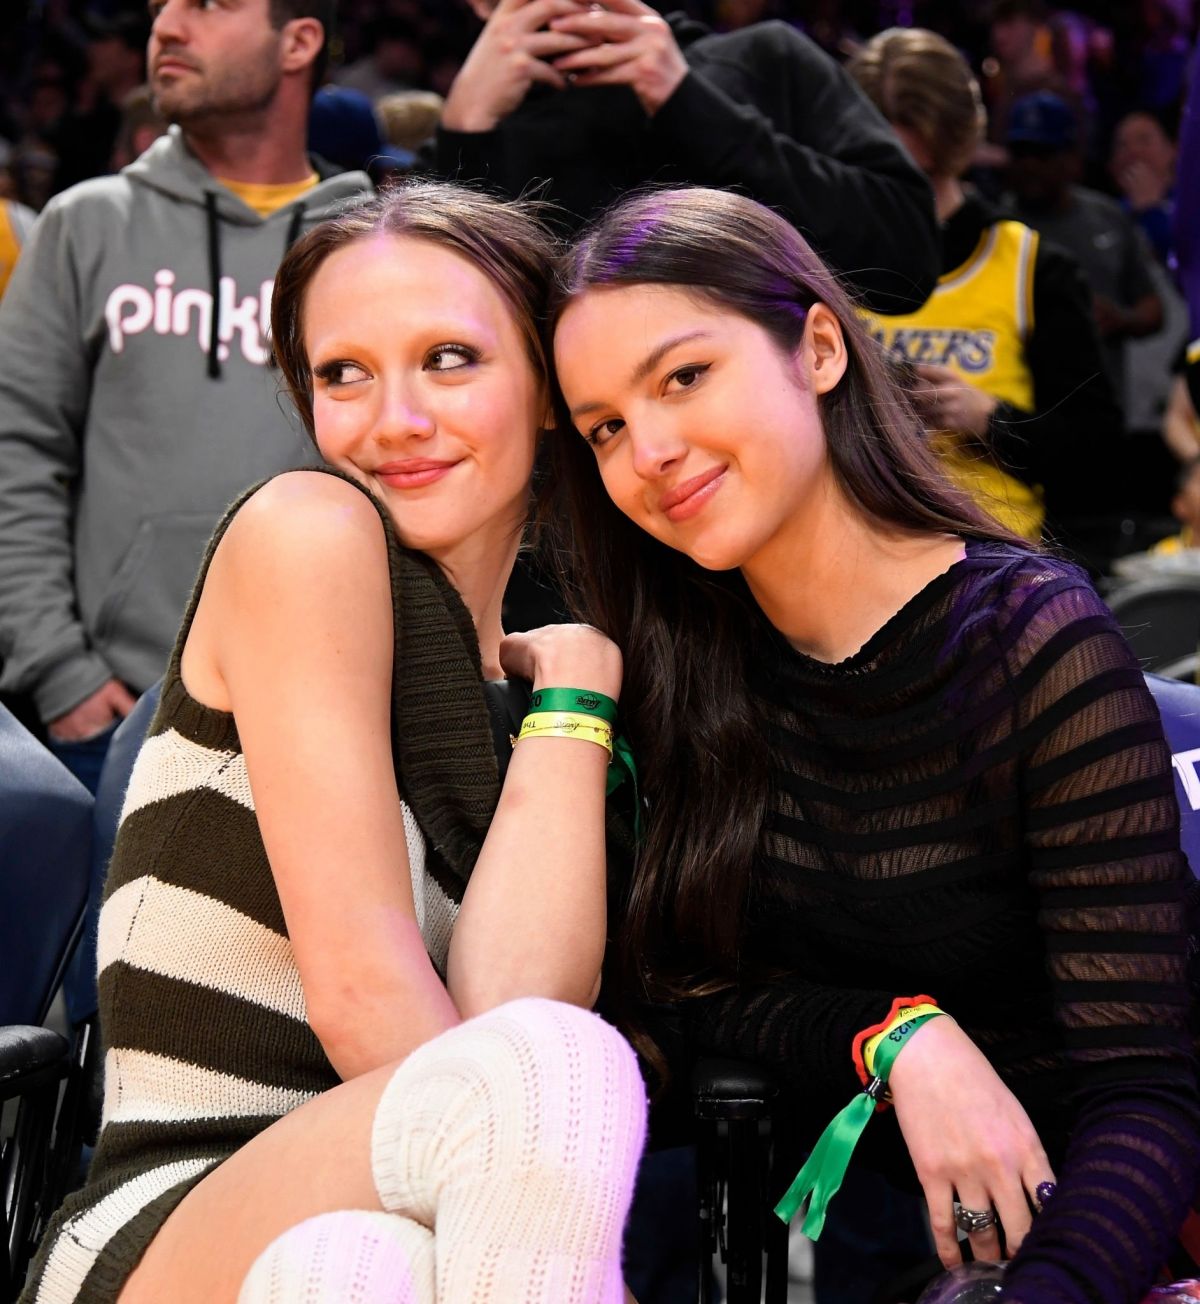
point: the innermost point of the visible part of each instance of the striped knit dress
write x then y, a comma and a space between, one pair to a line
202, 1010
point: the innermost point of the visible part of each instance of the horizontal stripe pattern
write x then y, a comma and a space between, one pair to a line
142, 1088
194, 938
202, 1007
979, 804
82, 1238
170, 764
223, 1032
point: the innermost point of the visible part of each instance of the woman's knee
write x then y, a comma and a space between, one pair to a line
352, 1256
532, 1083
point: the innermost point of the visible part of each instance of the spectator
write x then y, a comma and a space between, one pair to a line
1042, 137
599, 101
1022, 57
344, 129
34, 167
1181, 425
1142, 163
410, 118
16, 221
141, 126
47, 106
134, 403
116, 67
898, 749
293, 954
1005, 350
395, 61
1180, 553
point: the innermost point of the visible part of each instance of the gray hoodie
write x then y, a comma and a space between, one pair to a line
129, 416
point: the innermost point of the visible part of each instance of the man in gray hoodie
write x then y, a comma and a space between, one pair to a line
135, 402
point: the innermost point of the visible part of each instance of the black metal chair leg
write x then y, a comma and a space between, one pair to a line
708, 1208
744, 1230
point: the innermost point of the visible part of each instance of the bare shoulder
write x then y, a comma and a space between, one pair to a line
304, 522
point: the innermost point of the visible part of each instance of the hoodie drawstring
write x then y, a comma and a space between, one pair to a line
293, 231
214, 281
214, 272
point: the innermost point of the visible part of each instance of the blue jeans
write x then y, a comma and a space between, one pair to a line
85, 760
662, 1239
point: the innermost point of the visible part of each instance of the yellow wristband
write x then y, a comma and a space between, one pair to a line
567, 724
903, 1015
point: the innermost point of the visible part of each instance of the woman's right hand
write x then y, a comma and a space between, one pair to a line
564, 656
968, 1137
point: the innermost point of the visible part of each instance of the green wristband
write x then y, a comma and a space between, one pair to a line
578, 700
582, 701
824, 1170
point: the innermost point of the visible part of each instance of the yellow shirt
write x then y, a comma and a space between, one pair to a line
265, 199
976, 322
10, 246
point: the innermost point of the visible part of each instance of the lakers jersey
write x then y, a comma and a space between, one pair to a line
977, 322
10, 245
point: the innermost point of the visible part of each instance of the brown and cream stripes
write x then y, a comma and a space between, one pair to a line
202, 1009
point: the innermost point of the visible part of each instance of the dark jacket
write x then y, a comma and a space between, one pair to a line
763, 111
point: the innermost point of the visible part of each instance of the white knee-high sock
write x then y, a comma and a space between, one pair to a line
353, 1256
517, 1134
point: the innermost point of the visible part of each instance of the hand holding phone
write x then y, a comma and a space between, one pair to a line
514, 50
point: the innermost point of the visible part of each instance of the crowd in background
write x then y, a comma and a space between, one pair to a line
73, 104
67, 67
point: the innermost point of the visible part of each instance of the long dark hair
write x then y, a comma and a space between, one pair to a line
684, 631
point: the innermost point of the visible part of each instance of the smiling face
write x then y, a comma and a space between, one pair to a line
706, 432
422, 389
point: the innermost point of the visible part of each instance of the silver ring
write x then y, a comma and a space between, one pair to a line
973, 1220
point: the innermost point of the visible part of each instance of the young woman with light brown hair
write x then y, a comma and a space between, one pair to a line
344, 974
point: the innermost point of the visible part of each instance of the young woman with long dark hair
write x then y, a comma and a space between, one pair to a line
322, 910
892, 757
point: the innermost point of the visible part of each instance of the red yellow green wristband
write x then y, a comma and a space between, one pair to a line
860, 1041
819, 1180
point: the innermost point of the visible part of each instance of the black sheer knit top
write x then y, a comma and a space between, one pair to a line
979, 804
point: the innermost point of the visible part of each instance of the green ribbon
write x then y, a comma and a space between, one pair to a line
825, 1169
577, 700
583, 702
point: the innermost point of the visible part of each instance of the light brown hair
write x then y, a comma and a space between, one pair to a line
918, 80
503, 238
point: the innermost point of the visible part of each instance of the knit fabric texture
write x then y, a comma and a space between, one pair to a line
979, 804
353, 1256
201, 1007
516, 1136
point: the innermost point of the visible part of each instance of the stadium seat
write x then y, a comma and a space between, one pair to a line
46, 836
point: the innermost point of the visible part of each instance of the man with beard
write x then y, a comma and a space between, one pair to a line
135, 402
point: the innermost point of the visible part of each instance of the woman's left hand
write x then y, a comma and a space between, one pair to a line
969, 1139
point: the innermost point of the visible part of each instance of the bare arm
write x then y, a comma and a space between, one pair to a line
533, 920
299, 595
